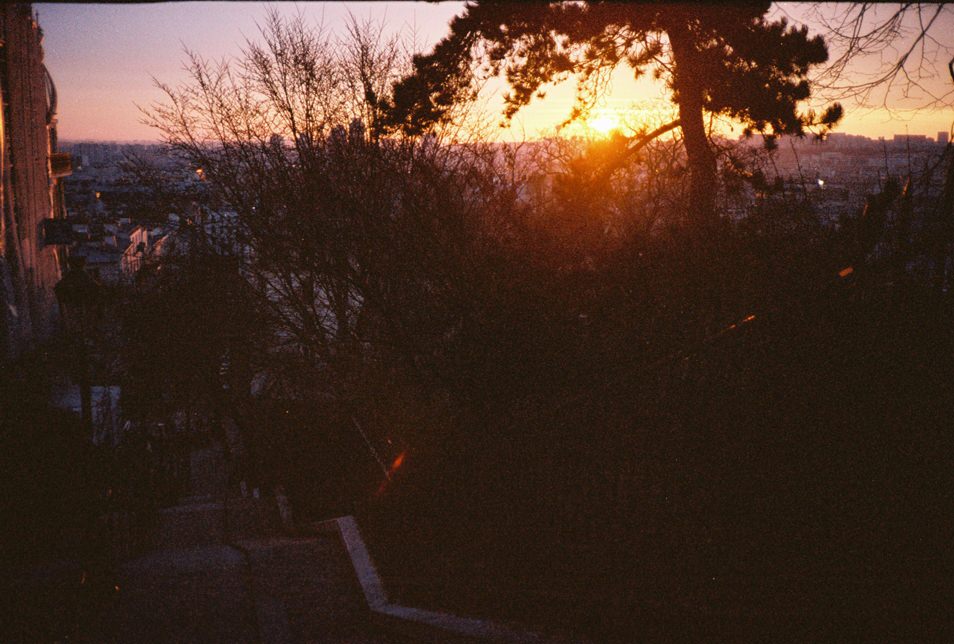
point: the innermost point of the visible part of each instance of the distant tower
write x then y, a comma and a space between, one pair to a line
942, 138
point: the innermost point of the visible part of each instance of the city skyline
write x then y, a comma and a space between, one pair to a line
103, 59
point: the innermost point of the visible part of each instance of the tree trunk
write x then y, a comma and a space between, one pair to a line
702, 166
943, 226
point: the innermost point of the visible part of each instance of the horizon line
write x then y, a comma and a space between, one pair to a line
64, 140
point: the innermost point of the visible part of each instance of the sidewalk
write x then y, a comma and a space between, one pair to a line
194, 595
312, 581
299, 590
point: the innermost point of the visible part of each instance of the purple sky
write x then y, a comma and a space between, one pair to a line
103, 57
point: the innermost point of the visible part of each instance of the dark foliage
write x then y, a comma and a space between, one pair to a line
54, 552
590, 413
191, 330
766, 480
50, 468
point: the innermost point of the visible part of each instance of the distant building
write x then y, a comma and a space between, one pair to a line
102, 262
911, 138
140, 245
942, 138
106, 409
30, 191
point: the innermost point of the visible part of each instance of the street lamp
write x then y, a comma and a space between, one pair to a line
78, 295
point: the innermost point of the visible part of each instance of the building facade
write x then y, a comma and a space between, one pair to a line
30, 192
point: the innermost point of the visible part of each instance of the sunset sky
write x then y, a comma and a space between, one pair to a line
103, 58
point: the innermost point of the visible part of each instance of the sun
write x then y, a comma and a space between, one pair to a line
603, 122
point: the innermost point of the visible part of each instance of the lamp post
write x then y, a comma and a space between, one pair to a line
78, 295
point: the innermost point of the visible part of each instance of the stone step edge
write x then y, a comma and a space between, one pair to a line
415, 622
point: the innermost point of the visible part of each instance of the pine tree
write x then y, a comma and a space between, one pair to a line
726, 60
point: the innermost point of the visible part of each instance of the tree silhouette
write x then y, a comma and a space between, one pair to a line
885, 51
194, 329
730, 61
352, 243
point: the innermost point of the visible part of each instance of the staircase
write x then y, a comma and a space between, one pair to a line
202, 522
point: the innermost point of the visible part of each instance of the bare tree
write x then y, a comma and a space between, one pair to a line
354, 242
884, 52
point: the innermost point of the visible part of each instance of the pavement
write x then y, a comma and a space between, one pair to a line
191, 595
281, 590
196, 585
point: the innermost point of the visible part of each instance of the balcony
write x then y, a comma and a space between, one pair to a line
61, 165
